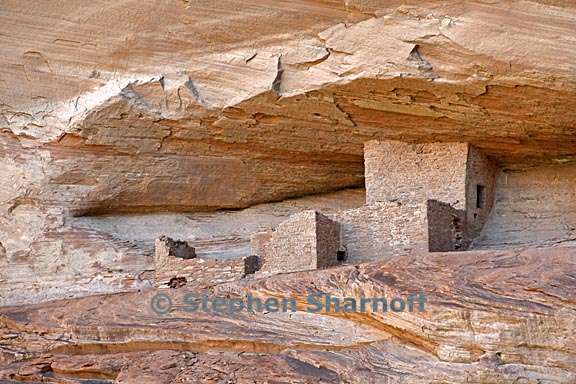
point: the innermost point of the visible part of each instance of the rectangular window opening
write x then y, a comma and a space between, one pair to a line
480, 196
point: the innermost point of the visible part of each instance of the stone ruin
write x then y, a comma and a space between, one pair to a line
420, 198
176, 265
307, 240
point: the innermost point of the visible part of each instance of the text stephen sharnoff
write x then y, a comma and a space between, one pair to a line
314, 303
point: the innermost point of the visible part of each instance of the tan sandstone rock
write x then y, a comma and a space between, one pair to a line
212, 121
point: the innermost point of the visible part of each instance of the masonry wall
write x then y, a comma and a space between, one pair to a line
198, 272
327, 241
291, 246
456, 174
383, 229
414, 173
307, 240
480, 173
446, 227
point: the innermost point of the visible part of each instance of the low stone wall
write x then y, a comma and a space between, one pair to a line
307, 240
173, 270
203, 272
383, 229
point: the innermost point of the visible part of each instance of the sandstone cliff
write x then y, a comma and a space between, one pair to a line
211, 121
194, 106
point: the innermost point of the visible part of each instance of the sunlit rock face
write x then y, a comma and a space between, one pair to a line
210, 121
197, 106
490, 317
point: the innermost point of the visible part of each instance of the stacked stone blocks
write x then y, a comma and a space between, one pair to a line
307, 240
176, 265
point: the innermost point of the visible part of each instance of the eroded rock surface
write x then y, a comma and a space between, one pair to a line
211, 121
490, 317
